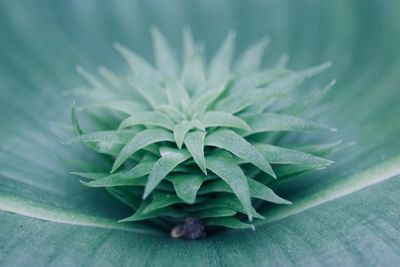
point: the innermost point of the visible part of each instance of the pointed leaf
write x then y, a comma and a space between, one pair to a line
129, 177
220, 64
186, 185
280, 155
237, 145
194, 142
163, 166
139, 141
215, 213
126, 106
272, 122
223, 119
223, 165
243, 99
149, 118
137, 64
140, 215
226, 201
180, 132
119, 137
164, 56
250, 60
257, 190
204, 100
161, 200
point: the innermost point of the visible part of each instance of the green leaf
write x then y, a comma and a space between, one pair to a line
203, 100
140, 215
222, 119
215, 213
279, 155
119, 137
257, 190
180, 132
171, 111
250, 60
139, 141
228, 222
237, 145
92, 80
272, 122
149, 118
220, 64
193, 72
163, 166
138, 65
125, 106
226, 201
150, 90
130, 177
194, 142
223, 165
161, 200
186, 185
245, 98
164, 56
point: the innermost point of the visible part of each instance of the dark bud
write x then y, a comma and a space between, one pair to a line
190, 229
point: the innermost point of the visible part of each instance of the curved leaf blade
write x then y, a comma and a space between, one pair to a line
162, 167
223, 119
237, 145
223, 165
194, 142
139, 141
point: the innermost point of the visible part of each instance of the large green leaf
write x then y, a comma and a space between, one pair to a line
346, 214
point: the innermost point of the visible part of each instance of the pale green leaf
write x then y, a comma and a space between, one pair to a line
245, 98
125, 106
273, 122
186, 185
215, 213
149, 118
164, 56
237, 145
119, 137
140, 215
223, 165
180, 132
203, 100
193, 73
130, 177
257, 190
137, 64
279, 155
222, 119
220, 64
150, 90
139, 141
171, 111
194, 142
91, 79
161, 200
226, 201
163, 166
250, 60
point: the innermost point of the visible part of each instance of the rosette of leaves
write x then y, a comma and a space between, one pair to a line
197, 140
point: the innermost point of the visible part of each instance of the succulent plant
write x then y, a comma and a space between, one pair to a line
198, 145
